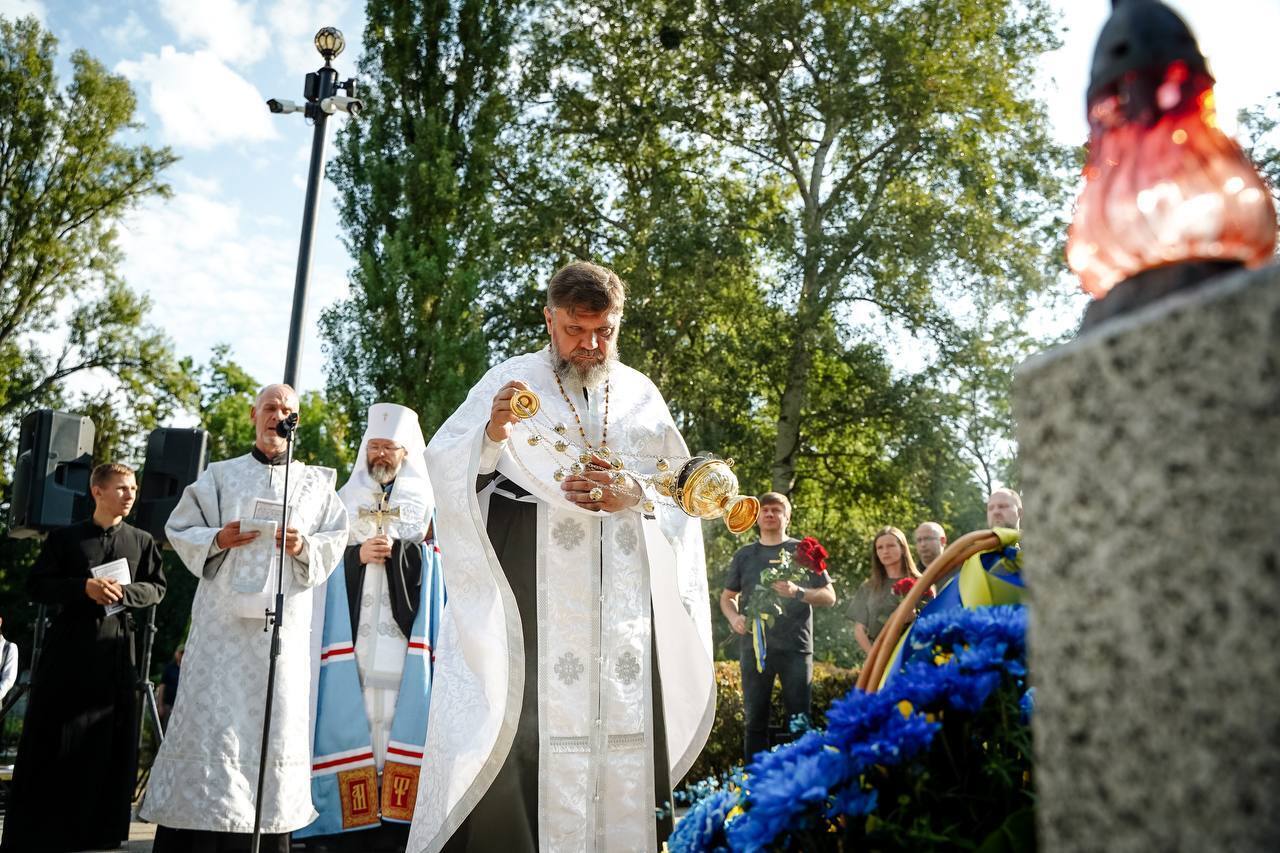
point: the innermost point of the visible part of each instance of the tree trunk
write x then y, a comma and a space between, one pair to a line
790, 407
795, 391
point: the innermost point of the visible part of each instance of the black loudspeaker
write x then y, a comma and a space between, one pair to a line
175, 459
51, 480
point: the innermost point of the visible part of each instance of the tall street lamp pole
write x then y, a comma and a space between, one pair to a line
322, 99
321, 93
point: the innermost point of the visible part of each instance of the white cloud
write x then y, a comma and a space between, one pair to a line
210, 279
128, 32
205, 186
217, 272
14, 9
201, 102
294, 24
224, 27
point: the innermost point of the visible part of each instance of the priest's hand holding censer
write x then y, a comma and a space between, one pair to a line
510, 405
600, 487
601, 479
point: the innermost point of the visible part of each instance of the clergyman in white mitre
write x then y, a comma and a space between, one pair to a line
389, 504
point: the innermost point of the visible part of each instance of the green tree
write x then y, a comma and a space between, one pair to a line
67, 174
227, 395
415, 177
916, 161
325, 437
1260, 133
978, 377
596, 174
604, 171
796, 194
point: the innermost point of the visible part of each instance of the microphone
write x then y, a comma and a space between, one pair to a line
285, 428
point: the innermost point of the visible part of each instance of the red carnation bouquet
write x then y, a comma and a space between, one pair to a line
902, 586
811, 555
765, 604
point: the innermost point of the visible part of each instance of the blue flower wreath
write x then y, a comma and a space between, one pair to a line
957, 659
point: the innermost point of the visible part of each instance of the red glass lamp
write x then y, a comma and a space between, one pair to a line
1169, 200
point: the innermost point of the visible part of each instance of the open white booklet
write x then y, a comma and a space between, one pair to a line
118, 571
255, 563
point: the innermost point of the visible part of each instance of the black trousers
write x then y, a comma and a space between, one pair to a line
793, 669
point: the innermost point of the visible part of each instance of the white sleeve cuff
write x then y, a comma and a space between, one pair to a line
490, 453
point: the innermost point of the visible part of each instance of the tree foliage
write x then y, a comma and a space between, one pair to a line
916, 163
415, 178
1260, 126
798, 195
831, 218
67, 174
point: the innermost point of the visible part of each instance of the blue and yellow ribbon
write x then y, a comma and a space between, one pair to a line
758, 642
986, 579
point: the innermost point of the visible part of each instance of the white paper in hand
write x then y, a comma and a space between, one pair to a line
254, 559
118, 571
255, 567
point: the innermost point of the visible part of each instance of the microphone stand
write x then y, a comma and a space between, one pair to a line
275, 618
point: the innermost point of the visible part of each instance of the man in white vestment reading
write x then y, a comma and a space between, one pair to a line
573, 682
370, 647
226, 529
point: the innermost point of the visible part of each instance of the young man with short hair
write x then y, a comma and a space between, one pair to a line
789, 636
77, 760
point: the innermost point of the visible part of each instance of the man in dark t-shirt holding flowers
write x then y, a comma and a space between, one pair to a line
781, 644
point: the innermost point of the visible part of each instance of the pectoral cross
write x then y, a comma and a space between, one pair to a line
380, 512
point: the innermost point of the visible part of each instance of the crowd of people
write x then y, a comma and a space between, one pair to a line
549, 703
891, 562
789, 636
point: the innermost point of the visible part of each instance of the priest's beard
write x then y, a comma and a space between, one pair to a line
383, 474
589, 373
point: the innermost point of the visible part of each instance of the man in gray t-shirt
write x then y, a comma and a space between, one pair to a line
790, 635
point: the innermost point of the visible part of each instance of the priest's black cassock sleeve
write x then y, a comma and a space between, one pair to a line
77, 758
506, 818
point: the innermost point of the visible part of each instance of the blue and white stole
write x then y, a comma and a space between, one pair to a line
344, 777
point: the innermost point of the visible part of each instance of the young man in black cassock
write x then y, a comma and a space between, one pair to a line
77, 759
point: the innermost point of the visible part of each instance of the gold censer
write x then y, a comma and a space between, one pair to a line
703, 487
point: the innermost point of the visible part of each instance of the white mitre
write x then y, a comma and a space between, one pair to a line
411, 494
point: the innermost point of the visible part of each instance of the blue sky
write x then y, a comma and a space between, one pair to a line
218, 258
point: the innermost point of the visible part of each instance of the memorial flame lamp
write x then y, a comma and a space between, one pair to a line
1169, 200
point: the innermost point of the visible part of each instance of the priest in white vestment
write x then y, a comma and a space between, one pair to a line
573, 682
204, 780
389, 506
